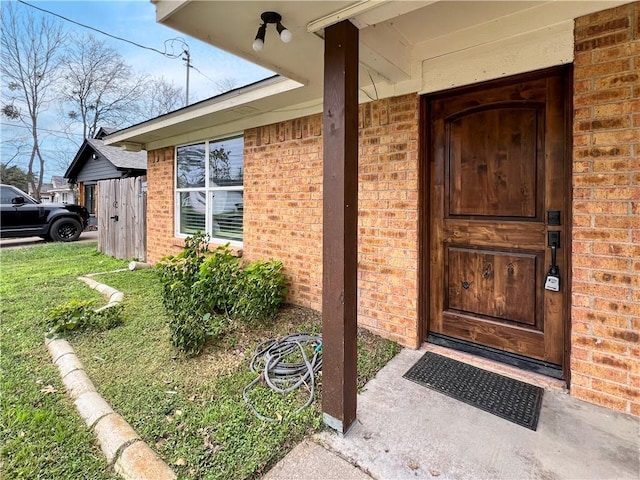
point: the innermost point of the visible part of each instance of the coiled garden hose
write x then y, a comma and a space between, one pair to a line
269, 361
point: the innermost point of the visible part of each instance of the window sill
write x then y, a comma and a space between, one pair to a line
213, 244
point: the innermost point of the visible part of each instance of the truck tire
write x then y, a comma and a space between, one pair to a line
65, 230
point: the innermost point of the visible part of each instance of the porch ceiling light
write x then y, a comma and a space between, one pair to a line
270, 17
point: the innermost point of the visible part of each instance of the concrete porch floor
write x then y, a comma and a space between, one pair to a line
405, 430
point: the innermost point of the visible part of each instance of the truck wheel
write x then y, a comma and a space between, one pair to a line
65, 230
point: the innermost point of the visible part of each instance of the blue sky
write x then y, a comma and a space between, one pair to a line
134, 20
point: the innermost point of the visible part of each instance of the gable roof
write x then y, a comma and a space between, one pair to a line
120, 158
103, 132
59, 183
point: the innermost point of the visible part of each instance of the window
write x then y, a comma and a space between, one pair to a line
90, 198
209, 189
8, 193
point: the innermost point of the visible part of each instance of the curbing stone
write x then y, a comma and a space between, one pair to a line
116, 298
106, 290
89, 281
67, 364
113, 433
77, 383
121, 445
58, 347
138, 462
92, 407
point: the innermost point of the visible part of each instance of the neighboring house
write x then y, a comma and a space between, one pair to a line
486, 132
46, 196
58, 191
96, 161
61, 191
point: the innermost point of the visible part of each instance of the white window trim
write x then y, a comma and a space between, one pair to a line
206, 189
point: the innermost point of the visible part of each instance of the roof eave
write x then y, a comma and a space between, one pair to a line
143, 131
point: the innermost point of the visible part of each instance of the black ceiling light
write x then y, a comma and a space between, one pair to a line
270, 17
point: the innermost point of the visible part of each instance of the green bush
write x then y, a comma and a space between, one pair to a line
204, 292
76, 316
178, 274
261, 289
217, 281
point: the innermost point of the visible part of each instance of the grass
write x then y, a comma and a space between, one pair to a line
40, 432
190, 410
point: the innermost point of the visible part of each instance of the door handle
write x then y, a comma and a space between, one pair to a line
114, 218
552, 282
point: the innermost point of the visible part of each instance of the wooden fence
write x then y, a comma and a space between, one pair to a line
122, 206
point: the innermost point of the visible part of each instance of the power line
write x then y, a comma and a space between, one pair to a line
208, 78
40, 129
169, 55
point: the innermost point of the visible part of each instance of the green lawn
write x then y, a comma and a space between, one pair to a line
190, 410
40, 433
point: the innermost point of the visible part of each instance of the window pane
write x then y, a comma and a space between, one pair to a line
226, 214
226, 166
191, 166
192, 212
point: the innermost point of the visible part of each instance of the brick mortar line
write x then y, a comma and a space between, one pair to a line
128, 471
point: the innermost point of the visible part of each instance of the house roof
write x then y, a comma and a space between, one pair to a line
419, 46
120, 158
103, 132
59, 184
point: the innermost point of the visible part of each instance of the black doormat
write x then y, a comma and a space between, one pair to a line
513, 400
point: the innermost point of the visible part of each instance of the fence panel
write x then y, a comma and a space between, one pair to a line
122, 218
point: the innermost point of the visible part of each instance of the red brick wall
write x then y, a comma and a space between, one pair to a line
160, 205
283, 202
388, 219
605, 354
283, 210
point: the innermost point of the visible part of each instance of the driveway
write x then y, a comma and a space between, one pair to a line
86, 236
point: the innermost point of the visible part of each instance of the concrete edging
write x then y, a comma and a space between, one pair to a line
123, 448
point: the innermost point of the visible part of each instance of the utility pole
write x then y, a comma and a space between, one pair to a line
187, 59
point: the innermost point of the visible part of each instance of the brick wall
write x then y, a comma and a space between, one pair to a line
388, 219
283, 202
605, 355
283, 210
160, 205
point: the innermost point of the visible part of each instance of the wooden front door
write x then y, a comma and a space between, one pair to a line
497, 187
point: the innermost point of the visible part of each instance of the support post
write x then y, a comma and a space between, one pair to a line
340, 226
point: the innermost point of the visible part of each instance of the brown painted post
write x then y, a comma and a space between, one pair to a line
340, 226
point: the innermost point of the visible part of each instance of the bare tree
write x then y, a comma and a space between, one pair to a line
162, 97
100, 87
226, 84
30, 66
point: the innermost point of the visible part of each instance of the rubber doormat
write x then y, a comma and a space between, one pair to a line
513, 400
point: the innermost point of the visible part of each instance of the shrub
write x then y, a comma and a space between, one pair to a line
77, 316
261, 289
218, 279
178, 274
204, 292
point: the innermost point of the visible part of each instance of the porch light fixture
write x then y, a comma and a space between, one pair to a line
270, 17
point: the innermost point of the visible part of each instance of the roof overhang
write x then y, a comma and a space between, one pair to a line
405, 46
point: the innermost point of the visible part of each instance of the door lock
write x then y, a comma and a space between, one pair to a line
552, 282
